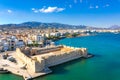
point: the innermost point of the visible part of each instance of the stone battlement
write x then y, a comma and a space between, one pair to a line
37, 60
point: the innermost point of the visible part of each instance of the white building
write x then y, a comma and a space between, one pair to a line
19, 43
29, 42
55, 34
5, 46
40, 38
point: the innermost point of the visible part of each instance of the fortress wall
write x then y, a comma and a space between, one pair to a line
32, 64
45, 50
38, 63
64, 57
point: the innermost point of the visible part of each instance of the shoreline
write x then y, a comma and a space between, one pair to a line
49, 71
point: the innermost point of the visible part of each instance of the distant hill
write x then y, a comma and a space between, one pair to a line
114, 27
44, 25
33, 24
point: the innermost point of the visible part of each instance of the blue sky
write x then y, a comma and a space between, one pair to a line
97, 13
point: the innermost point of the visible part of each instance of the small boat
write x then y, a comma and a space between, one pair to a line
2, 71
27, 78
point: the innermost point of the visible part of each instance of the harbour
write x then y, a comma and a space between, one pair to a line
89, 67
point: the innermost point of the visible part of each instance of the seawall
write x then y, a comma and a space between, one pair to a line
50, 57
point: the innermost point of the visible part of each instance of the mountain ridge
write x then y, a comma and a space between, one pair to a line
35, 24
115, 27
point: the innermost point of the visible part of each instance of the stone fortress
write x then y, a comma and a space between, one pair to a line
40, 59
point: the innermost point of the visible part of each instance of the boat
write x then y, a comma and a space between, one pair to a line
2, 71
27, 78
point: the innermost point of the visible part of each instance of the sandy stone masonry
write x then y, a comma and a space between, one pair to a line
38, 59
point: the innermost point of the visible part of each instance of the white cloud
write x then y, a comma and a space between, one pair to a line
60, 9
36, 11
9, 11
33, 9
48, 10
96, 6
91, 7
107, 5
51, 9
70, 6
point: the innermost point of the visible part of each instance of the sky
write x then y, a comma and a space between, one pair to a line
96, 13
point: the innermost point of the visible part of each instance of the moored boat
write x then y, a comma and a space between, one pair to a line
2, 71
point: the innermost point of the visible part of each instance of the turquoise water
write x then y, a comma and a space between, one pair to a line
105, 65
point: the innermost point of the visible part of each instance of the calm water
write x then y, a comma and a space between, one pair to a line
104, 66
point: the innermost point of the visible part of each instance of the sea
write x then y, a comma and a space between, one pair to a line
105, 65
